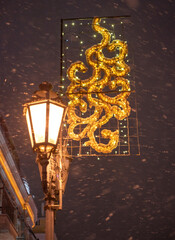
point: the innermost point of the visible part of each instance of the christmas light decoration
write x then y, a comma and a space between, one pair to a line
106, 73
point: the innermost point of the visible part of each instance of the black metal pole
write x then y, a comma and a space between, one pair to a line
43, 161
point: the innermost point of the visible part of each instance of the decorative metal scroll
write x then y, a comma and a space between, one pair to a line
98, 92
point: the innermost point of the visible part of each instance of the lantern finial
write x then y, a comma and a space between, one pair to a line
46, 91
45, 86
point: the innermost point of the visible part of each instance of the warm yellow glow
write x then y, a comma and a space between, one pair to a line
44, 120
38, 115
55, 118
114, 70
24, 204
29, 127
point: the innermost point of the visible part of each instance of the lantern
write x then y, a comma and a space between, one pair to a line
44, 118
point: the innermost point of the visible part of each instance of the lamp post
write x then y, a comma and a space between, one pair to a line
44, 115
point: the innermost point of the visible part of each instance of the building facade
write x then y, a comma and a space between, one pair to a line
18, 212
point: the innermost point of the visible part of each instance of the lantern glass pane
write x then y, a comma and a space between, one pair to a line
29, 126
55, 118
38, 115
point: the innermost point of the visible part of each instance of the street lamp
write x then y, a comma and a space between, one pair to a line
44, 115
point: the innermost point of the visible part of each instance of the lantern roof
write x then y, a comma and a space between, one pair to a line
45, 92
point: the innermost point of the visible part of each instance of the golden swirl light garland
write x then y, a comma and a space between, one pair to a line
105, 107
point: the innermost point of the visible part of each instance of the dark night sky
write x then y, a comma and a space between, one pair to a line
123, 198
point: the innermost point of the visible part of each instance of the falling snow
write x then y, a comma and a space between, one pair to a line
130, 198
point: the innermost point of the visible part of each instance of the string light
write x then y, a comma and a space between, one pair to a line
117, 106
